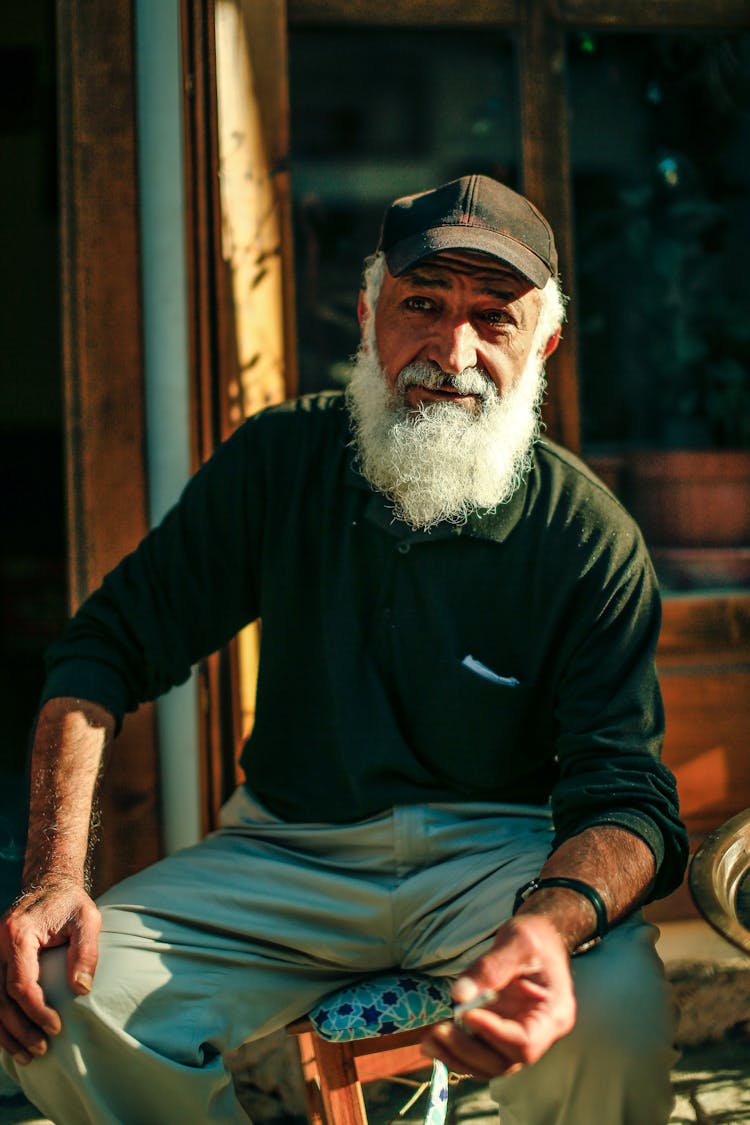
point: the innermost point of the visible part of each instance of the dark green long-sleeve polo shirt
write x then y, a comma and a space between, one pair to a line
510, 659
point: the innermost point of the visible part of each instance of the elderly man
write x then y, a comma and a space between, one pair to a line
454, 766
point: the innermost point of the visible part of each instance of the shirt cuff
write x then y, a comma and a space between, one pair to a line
87, 679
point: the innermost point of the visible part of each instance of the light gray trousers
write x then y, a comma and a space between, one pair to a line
233, 938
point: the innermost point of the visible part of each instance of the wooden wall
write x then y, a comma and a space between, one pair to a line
704, 669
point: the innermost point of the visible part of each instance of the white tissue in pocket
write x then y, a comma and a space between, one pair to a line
486, 673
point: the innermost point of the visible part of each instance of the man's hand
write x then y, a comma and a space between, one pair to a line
529, 963
529, 967
56, 912
54, 908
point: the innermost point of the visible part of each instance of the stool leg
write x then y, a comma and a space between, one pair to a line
339, 1085
316, 1113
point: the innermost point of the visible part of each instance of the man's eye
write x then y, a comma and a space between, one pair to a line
419, 304
497, 317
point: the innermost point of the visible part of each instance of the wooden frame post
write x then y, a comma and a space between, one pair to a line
103, 371
545, 163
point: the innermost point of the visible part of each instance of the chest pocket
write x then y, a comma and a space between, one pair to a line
476, 730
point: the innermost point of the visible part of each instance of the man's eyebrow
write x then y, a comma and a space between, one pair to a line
414, 277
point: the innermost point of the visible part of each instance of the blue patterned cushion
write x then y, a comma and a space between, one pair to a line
381, 1005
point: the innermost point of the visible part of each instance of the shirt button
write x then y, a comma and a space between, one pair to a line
403, 548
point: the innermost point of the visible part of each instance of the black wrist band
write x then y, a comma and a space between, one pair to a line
589, 892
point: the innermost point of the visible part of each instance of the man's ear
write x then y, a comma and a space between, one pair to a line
551, 344
362, 310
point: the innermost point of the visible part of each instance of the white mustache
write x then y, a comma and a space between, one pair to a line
471, 381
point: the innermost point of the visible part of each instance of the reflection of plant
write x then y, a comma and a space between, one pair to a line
666, 338
728, 401
687, 343
700, 347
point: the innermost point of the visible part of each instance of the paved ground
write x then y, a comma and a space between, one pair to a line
712, 1085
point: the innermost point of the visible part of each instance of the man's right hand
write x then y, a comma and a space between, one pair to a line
53, 908
56, 911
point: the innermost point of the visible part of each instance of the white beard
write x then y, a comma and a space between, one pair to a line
443, 462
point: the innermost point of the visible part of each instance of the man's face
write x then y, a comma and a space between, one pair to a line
445, 391
453, 312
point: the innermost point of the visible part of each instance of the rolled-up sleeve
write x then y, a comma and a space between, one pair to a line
610, 716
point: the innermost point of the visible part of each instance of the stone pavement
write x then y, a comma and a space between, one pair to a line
711, 982
712, 1086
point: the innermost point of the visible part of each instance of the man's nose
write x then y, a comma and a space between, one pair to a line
454, 347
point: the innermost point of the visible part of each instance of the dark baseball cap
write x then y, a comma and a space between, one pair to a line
473, 213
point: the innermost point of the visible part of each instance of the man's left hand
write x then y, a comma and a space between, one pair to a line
529, 968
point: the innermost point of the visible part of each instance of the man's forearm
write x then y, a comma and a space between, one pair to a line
69, 742
615, 862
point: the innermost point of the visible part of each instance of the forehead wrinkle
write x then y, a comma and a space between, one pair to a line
487, 283
414, 277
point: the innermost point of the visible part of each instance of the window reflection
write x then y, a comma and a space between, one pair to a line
376, 114
661, 166
661, 159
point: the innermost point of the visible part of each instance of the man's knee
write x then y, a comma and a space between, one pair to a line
53, 965
615, 1063
53, 979
624, 1002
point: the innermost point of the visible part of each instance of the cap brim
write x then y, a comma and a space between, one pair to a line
406, 253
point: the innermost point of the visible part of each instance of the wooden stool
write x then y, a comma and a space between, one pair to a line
334, 1071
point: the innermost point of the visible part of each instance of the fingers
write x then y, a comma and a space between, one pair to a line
24, 993
22, 1039
24, 1035
487, 975
466, 1053
83, 951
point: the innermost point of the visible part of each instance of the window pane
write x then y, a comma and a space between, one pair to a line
660, 139
377, 114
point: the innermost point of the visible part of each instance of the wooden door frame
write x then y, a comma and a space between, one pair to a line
215, 316
217, 675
